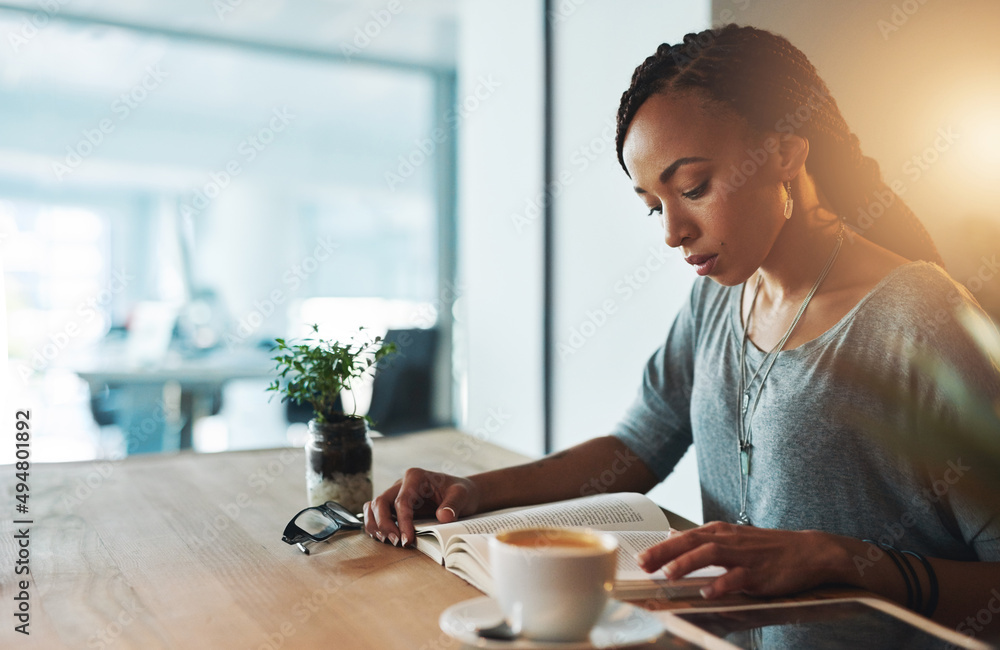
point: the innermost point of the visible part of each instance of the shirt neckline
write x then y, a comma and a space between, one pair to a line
736, 318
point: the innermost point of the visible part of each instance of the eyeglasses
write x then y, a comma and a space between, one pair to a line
319, 523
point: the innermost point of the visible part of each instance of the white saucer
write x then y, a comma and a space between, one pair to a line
621, 624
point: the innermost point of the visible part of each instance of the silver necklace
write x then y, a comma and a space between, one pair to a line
747, 407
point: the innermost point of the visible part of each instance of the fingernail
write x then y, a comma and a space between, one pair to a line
380, 536
669, 570
707, 591
452, 510
394, 539
406, 540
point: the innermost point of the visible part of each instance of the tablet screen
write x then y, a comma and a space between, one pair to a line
827, 625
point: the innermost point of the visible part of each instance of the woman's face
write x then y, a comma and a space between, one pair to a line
719, 192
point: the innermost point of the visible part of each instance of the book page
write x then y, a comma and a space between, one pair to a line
430, 543
619, 511
440, 532
468, 557
630, 543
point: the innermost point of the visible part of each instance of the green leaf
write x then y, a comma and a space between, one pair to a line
316, 371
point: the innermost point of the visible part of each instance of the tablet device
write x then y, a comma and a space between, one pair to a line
854, 623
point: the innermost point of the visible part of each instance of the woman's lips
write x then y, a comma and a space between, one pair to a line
703, 263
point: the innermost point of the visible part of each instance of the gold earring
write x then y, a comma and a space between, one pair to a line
788, 201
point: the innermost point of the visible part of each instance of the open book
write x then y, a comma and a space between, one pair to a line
638, 523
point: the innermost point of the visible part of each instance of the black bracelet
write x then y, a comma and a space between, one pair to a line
918, 604
932, 598
902, 571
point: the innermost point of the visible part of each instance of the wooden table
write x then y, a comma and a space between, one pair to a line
185, 551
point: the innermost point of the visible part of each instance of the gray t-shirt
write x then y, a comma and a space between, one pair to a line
819, 460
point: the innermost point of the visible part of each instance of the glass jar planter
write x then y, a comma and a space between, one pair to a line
339, 463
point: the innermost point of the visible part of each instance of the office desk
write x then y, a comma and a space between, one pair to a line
185, 551
144, 415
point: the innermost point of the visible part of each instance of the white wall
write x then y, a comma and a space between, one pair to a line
603, 239
499, 313
617, 285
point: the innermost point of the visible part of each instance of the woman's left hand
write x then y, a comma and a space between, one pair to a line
760, 561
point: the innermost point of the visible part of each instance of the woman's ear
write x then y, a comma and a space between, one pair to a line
793, 150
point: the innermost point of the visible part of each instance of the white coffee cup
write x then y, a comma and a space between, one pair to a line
553, 583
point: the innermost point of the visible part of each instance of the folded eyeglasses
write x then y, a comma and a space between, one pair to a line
319, 523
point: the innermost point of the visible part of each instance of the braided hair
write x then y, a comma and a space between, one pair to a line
770, 83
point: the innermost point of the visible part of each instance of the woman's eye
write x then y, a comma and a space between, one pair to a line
696, 192
657, 210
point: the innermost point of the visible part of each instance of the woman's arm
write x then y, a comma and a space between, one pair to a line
764, 562
965, 588
598, 465
602, 464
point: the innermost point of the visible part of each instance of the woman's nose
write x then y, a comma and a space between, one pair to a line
676, 228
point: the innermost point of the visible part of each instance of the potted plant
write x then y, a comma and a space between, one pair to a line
339, 451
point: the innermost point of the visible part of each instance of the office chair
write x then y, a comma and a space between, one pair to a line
403, 388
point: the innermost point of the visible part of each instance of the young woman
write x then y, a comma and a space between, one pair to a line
819, 288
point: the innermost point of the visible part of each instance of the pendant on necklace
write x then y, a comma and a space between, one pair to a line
744, 519
745, 448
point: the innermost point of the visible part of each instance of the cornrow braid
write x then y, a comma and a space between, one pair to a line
770, 83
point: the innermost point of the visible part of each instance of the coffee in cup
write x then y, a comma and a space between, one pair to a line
552, 582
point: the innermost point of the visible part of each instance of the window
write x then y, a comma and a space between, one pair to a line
174, 201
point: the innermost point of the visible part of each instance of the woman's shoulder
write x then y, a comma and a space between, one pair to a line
919, 306
921, 271
919, 289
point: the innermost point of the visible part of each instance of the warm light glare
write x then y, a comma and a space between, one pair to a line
986, 144
978, 126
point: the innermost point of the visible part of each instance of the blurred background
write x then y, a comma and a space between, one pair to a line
181, 183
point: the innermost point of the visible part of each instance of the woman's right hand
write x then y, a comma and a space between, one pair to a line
389, 516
